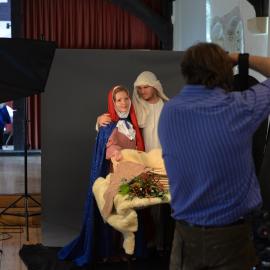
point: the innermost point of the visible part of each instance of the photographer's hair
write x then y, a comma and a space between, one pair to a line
209, 65
117, 89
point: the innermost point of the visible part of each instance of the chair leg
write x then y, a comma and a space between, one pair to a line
8, 139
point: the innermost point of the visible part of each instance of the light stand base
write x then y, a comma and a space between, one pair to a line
26, 214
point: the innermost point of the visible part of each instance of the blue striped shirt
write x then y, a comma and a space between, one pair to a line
206, 139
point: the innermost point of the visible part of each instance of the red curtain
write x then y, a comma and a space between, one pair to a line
95, 24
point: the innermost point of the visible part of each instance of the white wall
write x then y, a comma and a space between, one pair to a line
254, 42
189, 23
268, 32
5, 32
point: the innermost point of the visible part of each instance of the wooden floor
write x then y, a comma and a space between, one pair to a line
12, 185
10, 260
12, 174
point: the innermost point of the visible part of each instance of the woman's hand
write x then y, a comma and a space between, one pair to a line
104, 119
117, 155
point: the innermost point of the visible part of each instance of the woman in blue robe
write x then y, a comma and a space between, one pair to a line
97, 240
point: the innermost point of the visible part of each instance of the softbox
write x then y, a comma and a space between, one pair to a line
24, 67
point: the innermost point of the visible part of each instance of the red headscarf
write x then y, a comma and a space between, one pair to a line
114, 116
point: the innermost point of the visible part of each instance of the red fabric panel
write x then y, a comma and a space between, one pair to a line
95, 24
9, 127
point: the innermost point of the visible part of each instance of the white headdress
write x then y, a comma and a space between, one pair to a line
141, 106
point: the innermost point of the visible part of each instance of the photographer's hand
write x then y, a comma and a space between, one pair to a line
258, 63
234, 58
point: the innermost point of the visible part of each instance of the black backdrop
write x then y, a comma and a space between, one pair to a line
76, 93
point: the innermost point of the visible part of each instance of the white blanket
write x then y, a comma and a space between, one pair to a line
124, 217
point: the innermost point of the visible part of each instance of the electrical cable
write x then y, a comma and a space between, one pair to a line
1, 255
7, 229
5, 236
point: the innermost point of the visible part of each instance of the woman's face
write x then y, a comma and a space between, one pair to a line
122, 101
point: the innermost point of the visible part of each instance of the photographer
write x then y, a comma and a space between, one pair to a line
210, 166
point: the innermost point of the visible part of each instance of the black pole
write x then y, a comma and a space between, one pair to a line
25, 197
25, 168
18, 104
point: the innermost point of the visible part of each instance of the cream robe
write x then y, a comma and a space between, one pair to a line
150, 130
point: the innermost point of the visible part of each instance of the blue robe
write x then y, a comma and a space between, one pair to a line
81, 249
4, 117
96, 237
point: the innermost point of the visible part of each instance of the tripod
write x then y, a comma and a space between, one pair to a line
25, 197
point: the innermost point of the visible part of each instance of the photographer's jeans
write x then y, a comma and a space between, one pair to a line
220, 248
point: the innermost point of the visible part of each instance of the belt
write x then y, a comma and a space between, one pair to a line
235, 223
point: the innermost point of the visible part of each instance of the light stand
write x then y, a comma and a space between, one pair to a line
25, 197
24, 69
